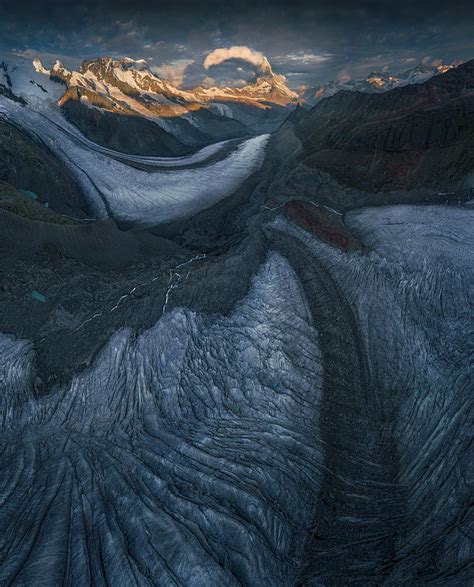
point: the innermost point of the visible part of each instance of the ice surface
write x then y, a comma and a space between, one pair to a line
435, 234
204, 450
186, 455
412, 303
145, 197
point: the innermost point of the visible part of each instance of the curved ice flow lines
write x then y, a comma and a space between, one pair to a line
116, 188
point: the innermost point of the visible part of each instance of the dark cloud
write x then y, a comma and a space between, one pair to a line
309, 42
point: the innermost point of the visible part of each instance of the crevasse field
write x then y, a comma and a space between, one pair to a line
203, 433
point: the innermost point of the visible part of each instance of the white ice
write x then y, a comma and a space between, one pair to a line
146, 198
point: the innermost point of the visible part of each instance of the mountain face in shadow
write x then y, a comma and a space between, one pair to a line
405, 141
138, 135
27, 164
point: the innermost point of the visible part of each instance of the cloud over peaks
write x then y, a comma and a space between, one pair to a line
242, 52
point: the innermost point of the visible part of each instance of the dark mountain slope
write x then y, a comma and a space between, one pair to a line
127, 134
137, 135
416, 136
27, 164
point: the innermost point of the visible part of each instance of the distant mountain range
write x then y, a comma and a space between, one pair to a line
122, 104
128, 86
375, 82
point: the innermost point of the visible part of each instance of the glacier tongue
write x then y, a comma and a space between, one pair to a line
398, 411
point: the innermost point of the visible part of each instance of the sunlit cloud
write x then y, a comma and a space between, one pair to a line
242, 52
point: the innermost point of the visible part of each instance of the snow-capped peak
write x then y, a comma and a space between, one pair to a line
381, 81
39, 67
134, 78
58, 69
139, 64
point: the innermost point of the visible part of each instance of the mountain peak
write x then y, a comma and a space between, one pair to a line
265, 67
133, 77
39, 67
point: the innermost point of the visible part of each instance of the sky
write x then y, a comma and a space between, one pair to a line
308, 42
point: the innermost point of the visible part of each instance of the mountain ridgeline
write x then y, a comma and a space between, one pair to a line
376, 82
120, 103
416, 137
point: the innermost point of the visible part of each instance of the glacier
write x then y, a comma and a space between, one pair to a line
150, 197
404, 486
266, 410
195, 426
316, 433
132, 189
